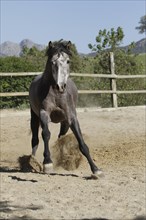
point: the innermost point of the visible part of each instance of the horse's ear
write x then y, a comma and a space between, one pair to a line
50, 44
68, 45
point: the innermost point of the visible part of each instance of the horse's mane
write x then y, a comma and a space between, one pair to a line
58, 46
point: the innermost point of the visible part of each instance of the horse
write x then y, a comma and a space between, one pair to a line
53, 97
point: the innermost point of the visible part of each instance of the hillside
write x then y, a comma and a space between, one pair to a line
140, 46
13, 49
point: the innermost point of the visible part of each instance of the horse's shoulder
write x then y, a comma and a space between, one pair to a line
71, 84
72, 90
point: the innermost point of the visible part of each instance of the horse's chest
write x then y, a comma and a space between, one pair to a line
57, 115
57, 107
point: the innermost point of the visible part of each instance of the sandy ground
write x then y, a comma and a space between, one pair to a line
116, 139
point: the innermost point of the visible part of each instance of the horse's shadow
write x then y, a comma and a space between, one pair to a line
91, 177
6, 169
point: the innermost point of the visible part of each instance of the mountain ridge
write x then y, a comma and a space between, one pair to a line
9, 48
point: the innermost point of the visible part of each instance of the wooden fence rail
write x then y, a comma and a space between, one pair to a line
113, 78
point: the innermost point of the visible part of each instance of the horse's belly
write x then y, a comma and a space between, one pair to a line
57, 115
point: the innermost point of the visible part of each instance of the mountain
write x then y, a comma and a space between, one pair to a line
10, 49
29, 44
140, 46
13, 49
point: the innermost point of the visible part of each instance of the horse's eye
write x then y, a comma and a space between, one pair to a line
68, 61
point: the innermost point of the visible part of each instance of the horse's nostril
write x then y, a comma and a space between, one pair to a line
61, 88
57, 86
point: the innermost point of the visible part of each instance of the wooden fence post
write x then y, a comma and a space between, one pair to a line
113, 81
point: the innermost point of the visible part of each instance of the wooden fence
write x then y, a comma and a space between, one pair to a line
112, 77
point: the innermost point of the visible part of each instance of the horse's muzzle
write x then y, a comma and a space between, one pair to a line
61, 88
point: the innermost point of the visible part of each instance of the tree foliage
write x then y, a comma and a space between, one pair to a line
75, 65
142, 26
107, 39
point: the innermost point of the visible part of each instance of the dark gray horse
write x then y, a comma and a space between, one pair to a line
53, 97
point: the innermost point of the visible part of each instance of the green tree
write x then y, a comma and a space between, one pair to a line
107, 40
75, 60
32, 52
35, 57
142, 26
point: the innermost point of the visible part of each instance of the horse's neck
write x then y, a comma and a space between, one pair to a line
46, 82
47, 75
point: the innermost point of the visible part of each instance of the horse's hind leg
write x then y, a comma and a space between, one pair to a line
83, 147
63, 128
34, 128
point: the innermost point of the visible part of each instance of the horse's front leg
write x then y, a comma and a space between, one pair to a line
35, 129
83, 147
47, 163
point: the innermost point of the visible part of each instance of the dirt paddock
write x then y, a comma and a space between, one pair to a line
116, 139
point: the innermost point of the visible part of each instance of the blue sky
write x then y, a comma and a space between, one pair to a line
78, 21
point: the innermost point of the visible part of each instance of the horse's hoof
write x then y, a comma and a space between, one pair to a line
48, 168
97, 174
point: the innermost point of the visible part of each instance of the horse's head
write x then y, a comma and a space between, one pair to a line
58, 54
